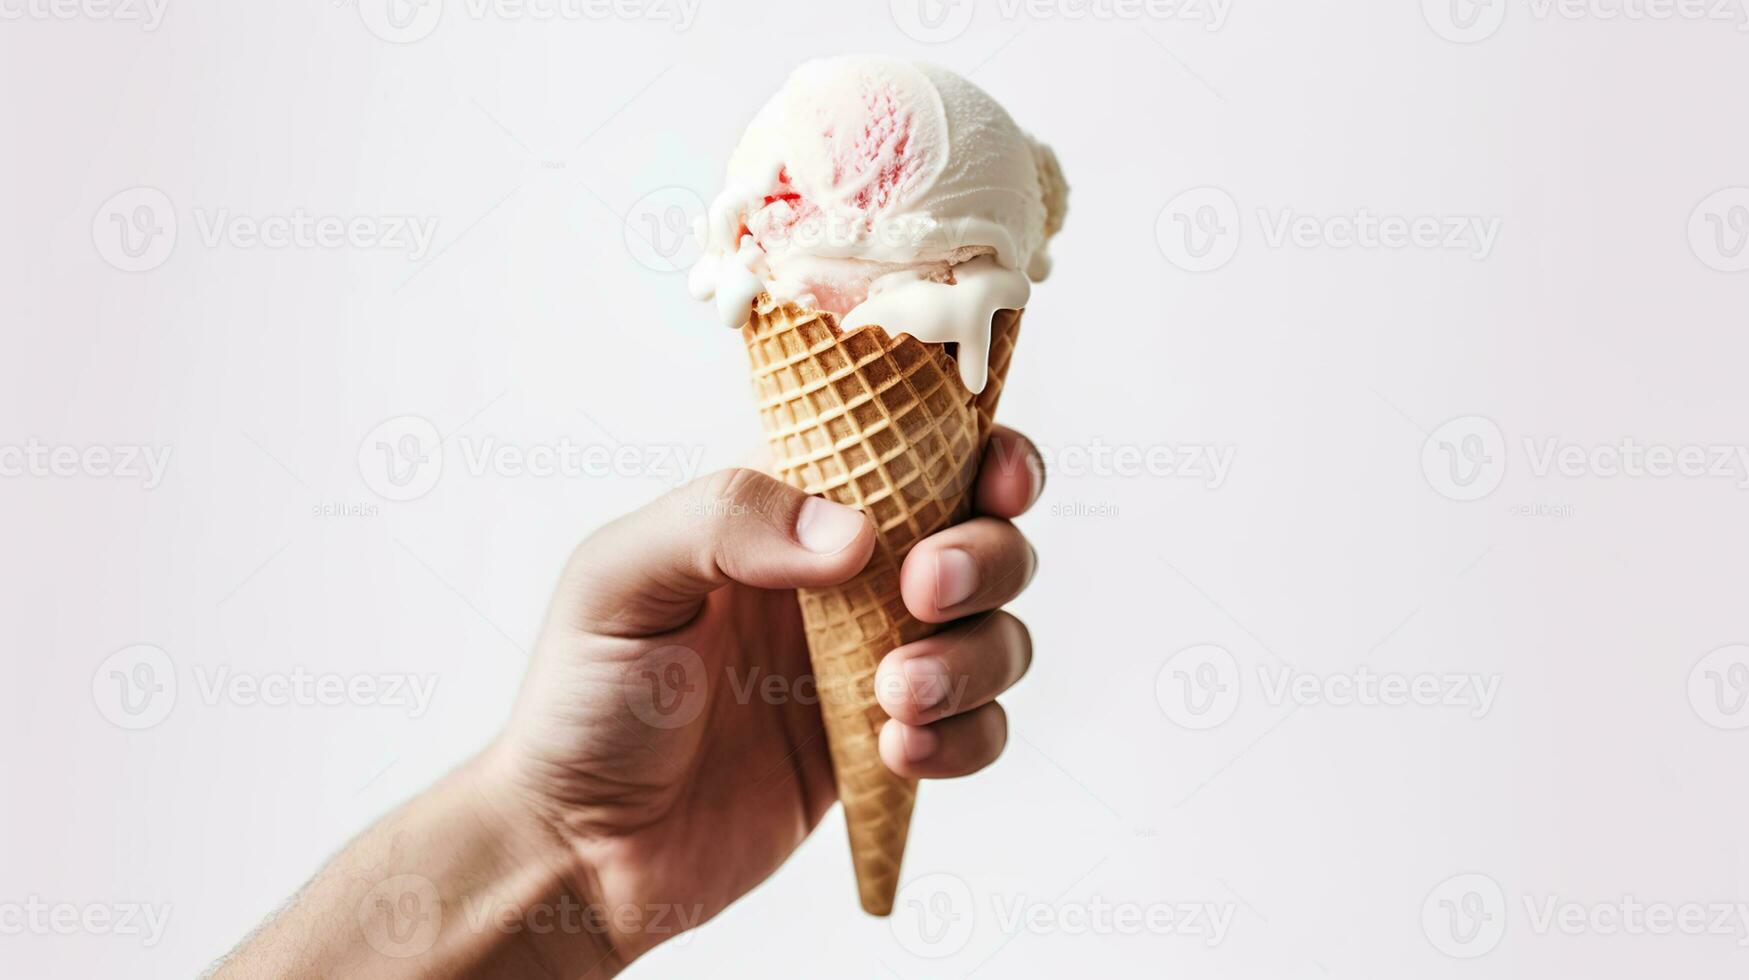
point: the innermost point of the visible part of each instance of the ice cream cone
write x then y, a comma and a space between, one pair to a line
883, 423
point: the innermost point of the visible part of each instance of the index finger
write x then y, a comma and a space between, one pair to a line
1011, 476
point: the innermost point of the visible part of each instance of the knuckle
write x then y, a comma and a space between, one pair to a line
727, 484
1034, 461
1014, 453
1020, 641
995, 724
1009, 560
736, 492
594, 544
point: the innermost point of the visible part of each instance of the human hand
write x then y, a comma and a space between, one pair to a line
667, 731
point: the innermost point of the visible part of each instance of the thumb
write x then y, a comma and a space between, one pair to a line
649, 571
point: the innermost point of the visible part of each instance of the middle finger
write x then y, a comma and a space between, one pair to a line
969, 568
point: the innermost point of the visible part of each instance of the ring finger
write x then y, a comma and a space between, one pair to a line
963, 667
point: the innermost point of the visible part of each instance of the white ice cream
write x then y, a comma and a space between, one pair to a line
890, 193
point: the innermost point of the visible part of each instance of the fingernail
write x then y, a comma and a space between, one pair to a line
920, 743
927, 681
826, 528
956, 577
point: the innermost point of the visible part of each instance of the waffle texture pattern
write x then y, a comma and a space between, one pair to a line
883, 424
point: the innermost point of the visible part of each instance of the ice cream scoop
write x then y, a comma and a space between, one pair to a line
889, 193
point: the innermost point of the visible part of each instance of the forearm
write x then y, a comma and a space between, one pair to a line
460, 880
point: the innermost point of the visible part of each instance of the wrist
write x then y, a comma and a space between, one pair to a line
613, 862
556, 910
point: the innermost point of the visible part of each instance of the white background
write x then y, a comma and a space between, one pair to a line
1605, 767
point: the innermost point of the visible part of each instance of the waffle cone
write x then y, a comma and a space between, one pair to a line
882, 424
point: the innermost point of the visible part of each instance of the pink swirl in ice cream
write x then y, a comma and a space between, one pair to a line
889, 193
